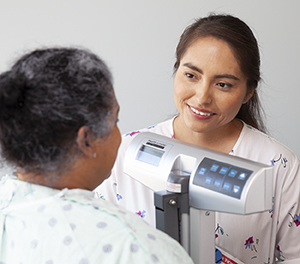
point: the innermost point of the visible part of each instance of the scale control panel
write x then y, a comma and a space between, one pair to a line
221, 177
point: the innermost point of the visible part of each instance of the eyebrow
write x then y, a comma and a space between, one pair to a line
227, 76
191, 66
219, 76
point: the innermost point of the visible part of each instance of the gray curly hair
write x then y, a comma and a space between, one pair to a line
45, 98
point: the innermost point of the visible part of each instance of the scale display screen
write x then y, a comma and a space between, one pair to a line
221, 177
150, 155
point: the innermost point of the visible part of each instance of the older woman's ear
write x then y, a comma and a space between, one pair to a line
85, 141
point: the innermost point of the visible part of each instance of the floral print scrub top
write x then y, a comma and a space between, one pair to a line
259, 238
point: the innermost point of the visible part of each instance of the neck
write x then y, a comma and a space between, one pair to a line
50, 180
74, 178
222, 139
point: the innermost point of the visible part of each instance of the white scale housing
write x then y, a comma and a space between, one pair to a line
218, 182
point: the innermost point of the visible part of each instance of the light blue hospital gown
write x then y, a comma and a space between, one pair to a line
47, 226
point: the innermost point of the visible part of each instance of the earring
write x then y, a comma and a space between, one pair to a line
94, 155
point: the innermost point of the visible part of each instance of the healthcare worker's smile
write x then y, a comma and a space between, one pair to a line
201, 113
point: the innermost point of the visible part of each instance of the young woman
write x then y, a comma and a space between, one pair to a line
217, 71
58, 125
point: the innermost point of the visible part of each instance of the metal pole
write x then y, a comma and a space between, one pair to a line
202, 227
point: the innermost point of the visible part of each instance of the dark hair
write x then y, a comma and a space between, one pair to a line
240, 38
45, 98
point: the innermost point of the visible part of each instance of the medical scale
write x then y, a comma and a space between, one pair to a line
191, 183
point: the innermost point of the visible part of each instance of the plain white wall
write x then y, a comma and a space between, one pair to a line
137, 38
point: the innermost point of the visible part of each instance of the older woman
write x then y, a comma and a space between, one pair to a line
217, 71
58, 125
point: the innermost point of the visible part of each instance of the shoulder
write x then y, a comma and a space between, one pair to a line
260, 147
253, 142
122, 234
164, 128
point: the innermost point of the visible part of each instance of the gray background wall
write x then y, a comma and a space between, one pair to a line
137, 38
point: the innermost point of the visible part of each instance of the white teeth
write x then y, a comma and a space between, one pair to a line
200, 113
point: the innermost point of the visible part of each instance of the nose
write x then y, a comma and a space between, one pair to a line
204, 93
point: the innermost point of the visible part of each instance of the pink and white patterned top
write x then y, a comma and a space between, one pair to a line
255, 238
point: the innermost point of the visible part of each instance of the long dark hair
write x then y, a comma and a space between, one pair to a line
243, 43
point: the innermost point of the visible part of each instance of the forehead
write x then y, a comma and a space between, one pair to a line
116, 106
210, 51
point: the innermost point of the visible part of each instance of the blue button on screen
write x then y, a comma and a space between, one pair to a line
217, 183
232, 173
208, 180
214, 167
223, 170
202, 171
226, 186
242, 176
236, 189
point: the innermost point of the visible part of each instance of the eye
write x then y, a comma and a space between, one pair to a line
224, 85
190, 76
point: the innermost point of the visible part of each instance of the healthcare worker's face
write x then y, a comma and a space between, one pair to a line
209, 86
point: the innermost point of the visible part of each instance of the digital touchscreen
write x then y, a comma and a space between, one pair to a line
149, 155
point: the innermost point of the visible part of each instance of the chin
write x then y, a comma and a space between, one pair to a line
108, 175
199, 128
